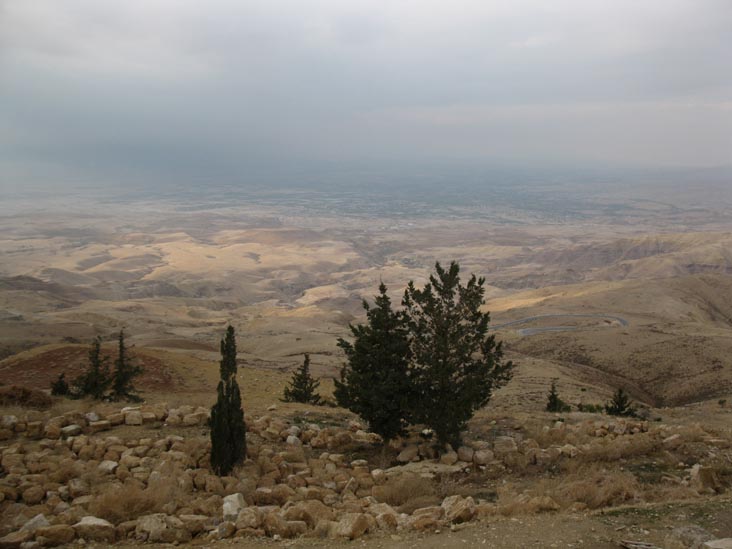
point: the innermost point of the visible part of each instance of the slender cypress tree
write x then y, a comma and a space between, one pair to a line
455, 364
228, 431
375, 381
96, 380
124, 373
303, 387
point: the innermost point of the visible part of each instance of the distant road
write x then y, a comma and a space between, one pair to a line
531, 331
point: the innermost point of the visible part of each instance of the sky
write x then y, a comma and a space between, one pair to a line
160, 90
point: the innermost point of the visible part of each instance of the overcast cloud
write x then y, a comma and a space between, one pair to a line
165, 89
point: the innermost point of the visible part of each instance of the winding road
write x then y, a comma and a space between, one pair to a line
531, 331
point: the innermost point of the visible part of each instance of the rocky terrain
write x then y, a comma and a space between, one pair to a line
141, 474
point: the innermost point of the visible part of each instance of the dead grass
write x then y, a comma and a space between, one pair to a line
407, 493
15, 395
130, 501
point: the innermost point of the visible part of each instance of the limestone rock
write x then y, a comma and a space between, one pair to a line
232, 505
458, 509
504, 445
58, 534
39, 521
14, 539
705, 480
195, 524
482, 457
249, 517
353, 525
160, 527
95, 529
465, 453
33, 495
410, 453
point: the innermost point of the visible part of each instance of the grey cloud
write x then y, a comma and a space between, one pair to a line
168, 88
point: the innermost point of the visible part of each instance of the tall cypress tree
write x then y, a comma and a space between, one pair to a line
124, 373
95, 381
303, 386
455, 364
228, 431
375, 381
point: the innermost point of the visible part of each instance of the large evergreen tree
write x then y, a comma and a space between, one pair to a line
95, 381
375, 381
455, 364
124, 373
228, 432
303, 387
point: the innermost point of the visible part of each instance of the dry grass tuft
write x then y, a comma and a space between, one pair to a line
14, 395
130, 501
407, 493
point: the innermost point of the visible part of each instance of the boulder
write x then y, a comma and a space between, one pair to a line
225, 530
466, 453
353, 525
310, 512
99, 426
108, 467
15, 539
39, 521
249, 517
195, 524
449, 458
58, 534
410, 453
95, 529
458, 509
705, 480
722, 543
482, 457
133, 417
232, 505
161, 528
33, 495
71, 430
504, 445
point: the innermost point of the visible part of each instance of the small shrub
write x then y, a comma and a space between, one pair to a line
620, 405
60, 387
129, 501
303, 386
591, 408
14, 395
554, 403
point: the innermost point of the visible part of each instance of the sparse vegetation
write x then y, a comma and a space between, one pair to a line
228, 431
303, 387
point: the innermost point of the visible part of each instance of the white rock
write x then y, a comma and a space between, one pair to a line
232, 505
